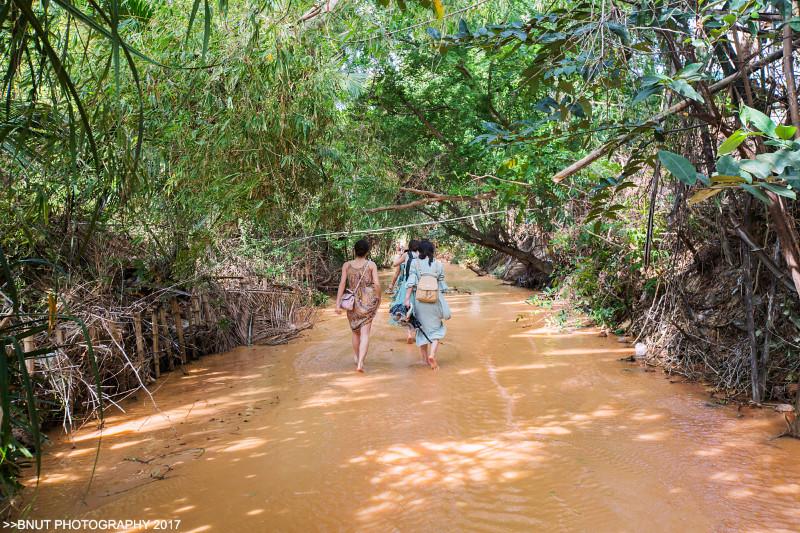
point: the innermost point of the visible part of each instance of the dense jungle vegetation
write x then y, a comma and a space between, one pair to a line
637, 157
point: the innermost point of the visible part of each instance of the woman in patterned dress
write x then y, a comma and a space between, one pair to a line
360, 276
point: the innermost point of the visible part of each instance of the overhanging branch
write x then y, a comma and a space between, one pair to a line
431, 198
724, 83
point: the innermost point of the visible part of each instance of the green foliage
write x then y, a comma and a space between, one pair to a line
679, 166
776, 172
545, 301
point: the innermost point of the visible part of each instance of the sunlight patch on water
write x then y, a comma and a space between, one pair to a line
532, 366
588, 351
654, 436
128, 444
786, 488
248, 443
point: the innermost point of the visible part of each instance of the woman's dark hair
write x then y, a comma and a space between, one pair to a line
413, 246
361, 247
426, 250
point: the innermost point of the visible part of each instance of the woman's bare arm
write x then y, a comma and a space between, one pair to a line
374, 272
396, 275
410, 288
340, 292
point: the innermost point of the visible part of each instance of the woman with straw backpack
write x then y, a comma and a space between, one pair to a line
424, 287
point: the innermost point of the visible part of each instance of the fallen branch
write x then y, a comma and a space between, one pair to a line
478, 270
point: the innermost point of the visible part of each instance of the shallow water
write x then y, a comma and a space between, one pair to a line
523, 428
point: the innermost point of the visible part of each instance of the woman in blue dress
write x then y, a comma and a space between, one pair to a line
431, 316
403, 262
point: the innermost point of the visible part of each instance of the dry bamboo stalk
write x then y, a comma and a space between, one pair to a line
116, 337
209, 312
190, 342
137, 328
156, 353
29, 345
165, 325
176, 317
201, 312
198, 323
198, 316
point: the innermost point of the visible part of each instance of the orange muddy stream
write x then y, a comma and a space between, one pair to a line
523, 428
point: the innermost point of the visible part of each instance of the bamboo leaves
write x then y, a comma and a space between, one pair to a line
206, 23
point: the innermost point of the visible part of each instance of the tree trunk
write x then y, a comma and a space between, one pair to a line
788, 73
763, 362
489, 241
787, 236
749, 317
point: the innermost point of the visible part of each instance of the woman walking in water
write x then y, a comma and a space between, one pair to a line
361, 300
403, 264
423, 294
396, 261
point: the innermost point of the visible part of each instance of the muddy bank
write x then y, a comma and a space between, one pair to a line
525, 427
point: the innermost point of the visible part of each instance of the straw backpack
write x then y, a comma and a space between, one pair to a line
427, 287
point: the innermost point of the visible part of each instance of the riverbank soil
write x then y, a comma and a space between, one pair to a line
523, 428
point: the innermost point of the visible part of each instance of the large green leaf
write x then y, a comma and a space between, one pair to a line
728, 166
785, 132
620, 31
757, 119
732, 143
780, 160
679, 166
683, 88
780, 190
758, 168
757, 193
645, 92
690, 71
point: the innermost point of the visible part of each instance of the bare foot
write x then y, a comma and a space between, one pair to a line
432, 362
409, 340
359, 369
